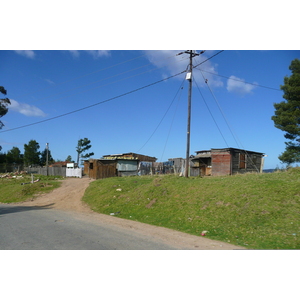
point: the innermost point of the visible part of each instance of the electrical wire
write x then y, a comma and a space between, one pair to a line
180, 89
106, 83
161, 118
77, 87
210, 113
98, 103
217, 102
202, 62
239, 144
255, 84
85, 75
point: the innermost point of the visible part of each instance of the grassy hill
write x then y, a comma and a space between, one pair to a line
257, 211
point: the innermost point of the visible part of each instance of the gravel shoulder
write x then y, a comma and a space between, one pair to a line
68, 198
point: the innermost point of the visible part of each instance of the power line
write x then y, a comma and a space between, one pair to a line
181, 88
161, 118
202, 62
97, 71
229, 127
85, 75
105, 79
240, 145
255, 84
211, 114
98, 103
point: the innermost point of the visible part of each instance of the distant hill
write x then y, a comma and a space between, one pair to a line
268, 170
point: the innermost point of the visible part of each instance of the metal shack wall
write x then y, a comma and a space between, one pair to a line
127, 165
220, 163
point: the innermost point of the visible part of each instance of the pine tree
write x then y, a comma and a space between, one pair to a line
82, 146
287, 114
31, 153
3, 106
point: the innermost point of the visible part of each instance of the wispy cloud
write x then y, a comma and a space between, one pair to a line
239, 86
75, 53
170, 63
26, 53
95, 53
49, 81
26, 109
98, 53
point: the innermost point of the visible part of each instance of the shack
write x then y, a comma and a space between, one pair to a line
226, 161
100, 168
124, 164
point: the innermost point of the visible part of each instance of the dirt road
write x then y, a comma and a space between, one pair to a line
68, 197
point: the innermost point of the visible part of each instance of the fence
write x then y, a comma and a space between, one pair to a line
149, 168
55, 171
9, 168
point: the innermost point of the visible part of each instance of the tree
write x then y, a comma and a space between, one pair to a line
3, 106
69, 158
14, 156
287, 114
82, 146
43, 159
31, 153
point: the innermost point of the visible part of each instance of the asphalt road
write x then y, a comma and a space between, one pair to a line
45, 228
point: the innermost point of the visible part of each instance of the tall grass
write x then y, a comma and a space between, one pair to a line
258, 211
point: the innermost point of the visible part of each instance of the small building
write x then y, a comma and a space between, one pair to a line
100, 168
125, 164
226, 161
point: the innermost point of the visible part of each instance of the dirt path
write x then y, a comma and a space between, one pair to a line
68, 197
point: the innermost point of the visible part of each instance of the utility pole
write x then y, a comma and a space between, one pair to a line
47, 148
189, 78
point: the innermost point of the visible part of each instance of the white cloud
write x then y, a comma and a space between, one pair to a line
74, 53
26, 53
172, 64
238, 86
26, 109
95, 53
98, 53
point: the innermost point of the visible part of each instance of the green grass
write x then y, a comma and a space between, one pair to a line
256, 211
12, 189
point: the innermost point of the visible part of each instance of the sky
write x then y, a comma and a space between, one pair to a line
124, 101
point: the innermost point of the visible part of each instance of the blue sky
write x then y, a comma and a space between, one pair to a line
153, 120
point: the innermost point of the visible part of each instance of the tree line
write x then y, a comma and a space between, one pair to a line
32, 155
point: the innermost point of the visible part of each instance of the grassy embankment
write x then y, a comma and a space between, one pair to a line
257, 211
12, 189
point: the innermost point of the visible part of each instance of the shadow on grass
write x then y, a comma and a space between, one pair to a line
16, 209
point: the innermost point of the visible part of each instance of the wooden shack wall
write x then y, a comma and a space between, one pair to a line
253, 162
105, 170
86, 167
98, 169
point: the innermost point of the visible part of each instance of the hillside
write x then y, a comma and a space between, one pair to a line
257, 211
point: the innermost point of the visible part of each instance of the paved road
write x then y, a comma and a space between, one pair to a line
44, 228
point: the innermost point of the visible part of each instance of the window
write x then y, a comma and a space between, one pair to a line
91, 166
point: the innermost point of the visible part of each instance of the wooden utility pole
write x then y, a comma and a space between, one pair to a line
47, 148
189, 77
